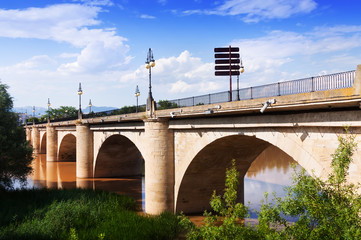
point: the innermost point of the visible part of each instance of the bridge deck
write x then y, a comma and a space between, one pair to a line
306, 101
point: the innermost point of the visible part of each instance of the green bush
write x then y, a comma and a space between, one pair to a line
165, 104
329, 209
79, 214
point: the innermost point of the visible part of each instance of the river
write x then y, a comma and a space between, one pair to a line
270, 172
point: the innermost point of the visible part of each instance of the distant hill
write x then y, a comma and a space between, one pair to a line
42, 110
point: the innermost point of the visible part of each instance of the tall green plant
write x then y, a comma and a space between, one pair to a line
226, 220
15, 152
329, 209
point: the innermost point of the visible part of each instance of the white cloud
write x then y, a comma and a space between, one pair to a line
145, 16
102, 49
265, 57
257, 10
180, 86
180, 74
96, 2
162, 2
36, 62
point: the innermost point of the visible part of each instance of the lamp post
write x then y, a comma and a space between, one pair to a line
150, 62
137, 94
26, 117
241, 70
80, 92
90, 106
33, 114
48, 110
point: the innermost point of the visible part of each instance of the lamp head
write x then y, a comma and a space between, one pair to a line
241, 69
80, 91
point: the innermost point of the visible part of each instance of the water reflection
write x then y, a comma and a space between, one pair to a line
270, 172
63, 175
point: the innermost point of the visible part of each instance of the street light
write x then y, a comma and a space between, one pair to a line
137, 94
48, 110
80, 92
90, 105
150, 62
241, 70
33, 114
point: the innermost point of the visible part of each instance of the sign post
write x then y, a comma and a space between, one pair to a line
227, 63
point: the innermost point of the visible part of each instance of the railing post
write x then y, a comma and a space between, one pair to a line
209, 98
251, 93
313, 85
279, 89
193, 101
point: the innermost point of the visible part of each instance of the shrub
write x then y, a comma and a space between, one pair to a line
329, 209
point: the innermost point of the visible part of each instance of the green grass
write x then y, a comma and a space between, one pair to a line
78, 214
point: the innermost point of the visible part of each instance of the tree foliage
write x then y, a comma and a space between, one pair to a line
165, 104
15, 152
62, 112
329, 209
226, 220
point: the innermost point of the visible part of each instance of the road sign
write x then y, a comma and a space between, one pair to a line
226, 61
225, 67
227, 64
233, 49
226, 55
227, 73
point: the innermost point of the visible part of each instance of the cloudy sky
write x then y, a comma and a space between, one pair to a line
48, 47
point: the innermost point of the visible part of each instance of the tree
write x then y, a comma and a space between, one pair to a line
226, 219
165, 104
62, 112
15, 151
329, 209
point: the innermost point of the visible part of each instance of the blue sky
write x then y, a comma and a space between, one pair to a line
48, 47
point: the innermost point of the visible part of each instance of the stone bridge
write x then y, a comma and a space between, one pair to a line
186, 151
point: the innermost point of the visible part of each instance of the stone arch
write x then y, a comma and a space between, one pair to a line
43, 144
118, 156
205, 172
67, 148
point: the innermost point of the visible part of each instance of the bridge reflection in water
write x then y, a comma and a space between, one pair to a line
63, 175
270, 172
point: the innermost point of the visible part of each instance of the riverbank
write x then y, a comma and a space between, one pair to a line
78, 214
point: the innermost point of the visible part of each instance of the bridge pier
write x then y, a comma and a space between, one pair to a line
35, 139
159, 166
51, 143
84, 151
28, 134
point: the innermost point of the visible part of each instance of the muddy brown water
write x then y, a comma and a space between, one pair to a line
270, 172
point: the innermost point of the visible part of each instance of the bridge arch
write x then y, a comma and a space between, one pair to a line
118, 156
67, 148
204, 170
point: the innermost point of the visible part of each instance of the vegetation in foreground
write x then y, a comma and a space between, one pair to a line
15, 151
328, 209
78, 214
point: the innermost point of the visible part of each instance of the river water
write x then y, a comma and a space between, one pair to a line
270, 172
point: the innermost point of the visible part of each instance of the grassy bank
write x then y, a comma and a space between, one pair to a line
78, 214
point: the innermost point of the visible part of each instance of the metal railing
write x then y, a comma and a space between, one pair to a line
305, 85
